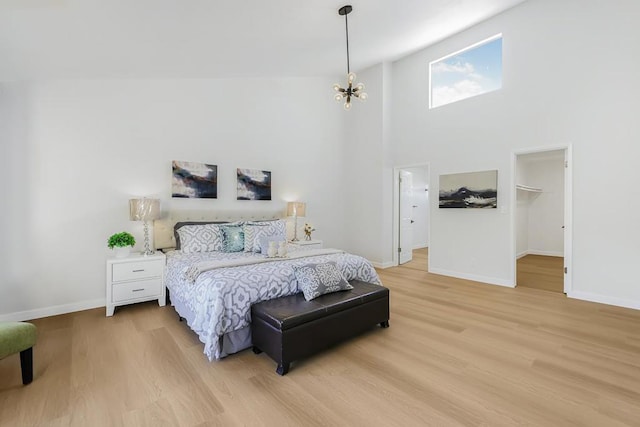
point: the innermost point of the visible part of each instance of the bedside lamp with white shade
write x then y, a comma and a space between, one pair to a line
144, 210
296, 209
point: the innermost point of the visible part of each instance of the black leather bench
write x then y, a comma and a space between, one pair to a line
290, 328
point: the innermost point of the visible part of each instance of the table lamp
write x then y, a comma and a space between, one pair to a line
296, 209
144, 210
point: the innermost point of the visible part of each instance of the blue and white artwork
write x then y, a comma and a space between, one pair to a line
469, 190
194, 180
254, 184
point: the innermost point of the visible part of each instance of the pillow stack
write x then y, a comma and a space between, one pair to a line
249, 236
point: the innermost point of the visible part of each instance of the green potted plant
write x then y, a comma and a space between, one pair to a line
122, 243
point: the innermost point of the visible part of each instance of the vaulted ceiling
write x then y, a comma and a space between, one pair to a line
212, 38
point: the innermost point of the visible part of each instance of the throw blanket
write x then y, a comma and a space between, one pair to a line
192, 273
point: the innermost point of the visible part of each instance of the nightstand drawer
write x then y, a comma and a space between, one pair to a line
139, 289
137, 270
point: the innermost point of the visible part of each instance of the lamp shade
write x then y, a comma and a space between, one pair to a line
296, 209
144, 209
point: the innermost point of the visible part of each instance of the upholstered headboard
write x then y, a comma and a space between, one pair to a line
163, 228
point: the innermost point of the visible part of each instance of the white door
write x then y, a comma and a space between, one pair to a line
405, 251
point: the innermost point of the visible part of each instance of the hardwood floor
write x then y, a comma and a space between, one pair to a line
541, 272
457, 353
419, 261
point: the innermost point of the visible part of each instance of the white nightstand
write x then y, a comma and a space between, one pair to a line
135, 278
302, 245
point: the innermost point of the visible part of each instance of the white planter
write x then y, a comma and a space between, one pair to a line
122, 252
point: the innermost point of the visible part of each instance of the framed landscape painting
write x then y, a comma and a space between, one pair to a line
194, 180
254, 184
469, 190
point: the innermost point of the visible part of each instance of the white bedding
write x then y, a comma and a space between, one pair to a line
219, 300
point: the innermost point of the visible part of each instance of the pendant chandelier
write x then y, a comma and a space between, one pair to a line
351, 90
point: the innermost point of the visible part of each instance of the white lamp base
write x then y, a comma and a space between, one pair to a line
295, 229
147, 249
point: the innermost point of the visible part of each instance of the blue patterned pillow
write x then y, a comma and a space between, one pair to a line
199, 238
233, 238
319, 279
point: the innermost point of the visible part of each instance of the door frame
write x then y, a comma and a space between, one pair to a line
396, 210
568, 210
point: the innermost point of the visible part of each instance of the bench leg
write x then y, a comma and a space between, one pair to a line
26, 364
256, 350
384, 324
283, 368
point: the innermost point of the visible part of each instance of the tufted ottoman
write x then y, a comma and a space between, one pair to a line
19, 337
290, 328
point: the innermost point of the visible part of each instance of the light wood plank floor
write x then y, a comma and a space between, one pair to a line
457, 353
541, 272
419, 261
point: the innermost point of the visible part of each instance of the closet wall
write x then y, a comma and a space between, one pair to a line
540, 214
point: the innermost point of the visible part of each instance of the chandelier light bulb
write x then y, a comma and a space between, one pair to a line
351, 77
363, 96
360, 86
347, 105
336, 87
338, 97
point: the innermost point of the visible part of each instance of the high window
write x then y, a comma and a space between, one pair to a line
471, 71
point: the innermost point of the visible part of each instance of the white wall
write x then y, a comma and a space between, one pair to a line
522, 209
77, 150
568, 78
367, 189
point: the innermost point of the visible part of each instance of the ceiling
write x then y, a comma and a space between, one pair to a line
212, 38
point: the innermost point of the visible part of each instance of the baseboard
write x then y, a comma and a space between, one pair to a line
603, 299
473, 277
543, 253
420, 246
522, 254
55, 310
382, 265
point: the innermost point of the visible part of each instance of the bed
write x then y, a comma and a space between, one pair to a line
213, 288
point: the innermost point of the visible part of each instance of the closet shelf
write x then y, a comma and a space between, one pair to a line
528, 188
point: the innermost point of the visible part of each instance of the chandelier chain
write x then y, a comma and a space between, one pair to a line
346, 26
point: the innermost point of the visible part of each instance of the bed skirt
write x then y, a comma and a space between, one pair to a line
231, 342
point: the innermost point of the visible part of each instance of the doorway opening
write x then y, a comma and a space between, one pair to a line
542, 226
419, 260
411, 214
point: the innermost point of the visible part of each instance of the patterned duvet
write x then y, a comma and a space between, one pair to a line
221, 299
